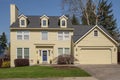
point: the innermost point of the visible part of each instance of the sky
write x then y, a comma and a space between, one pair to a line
39, 7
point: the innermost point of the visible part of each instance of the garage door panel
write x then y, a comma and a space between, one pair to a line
95, 56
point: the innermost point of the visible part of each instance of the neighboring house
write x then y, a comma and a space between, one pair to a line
43, 38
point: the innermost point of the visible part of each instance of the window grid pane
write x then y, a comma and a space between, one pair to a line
44, 22
26, 53
63, 22
44, 35
95, 33
60, 51
66, 35
19, 53
60, 35
19, 35
22, 22
67, 51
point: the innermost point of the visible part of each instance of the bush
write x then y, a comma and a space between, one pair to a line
0, 62
21, 62
5, 64
65, 59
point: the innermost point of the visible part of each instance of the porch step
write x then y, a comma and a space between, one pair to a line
45, 62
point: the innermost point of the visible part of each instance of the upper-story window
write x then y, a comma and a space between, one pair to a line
23, 35
63, 35
63, 22
44, 22
95, 33
44, 35
22, 21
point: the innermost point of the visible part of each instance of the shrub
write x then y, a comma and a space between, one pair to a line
5, 64
65, 59
0, 62
21, 62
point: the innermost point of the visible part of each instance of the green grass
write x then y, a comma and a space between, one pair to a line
41, 72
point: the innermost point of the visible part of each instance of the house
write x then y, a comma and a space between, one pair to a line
43, 38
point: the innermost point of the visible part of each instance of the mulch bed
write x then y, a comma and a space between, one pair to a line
65, 67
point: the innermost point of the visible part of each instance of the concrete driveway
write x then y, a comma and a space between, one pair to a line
103, 72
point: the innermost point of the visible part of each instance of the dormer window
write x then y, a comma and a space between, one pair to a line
44, 21
63, 21
22, 21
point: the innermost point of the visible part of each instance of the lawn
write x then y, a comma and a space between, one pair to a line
41, 72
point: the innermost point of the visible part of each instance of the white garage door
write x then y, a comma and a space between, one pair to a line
94, 56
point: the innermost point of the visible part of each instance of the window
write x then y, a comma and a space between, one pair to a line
95, 33
23, 35
60, 35
22, 22
62, 51
67, 51
19, 35
26, 53
66, 35
63, 35
19, 53
44, 22
26, 35
22, 53
63, 22
44, 35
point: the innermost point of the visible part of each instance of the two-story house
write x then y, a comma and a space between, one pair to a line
43, 38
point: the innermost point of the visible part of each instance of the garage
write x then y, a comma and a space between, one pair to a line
94, 56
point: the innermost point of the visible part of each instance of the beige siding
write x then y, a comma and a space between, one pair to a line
35, 38
96, 42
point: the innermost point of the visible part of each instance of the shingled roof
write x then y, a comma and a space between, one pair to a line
79, 30
34, 22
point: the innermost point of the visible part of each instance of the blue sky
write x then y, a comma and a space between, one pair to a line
39, 7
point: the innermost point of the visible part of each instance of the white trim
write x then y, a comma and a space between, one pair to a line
91, 30
22, 15
63, 16
44, 16
108, 35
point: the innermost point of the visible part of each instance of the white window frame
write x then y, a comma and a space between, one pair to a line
23, 33
64, 50
42, 35
20, 22
23, 56
63, 35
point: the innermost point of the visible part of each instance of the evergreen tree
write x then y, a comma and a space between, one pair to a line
106, 18
74, 20
3, 40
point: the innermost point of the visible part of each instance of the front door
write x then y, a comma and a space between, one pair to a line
44, 55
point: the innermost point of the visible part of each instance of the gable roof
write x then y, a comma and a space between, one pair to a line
81, 31
34, 22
